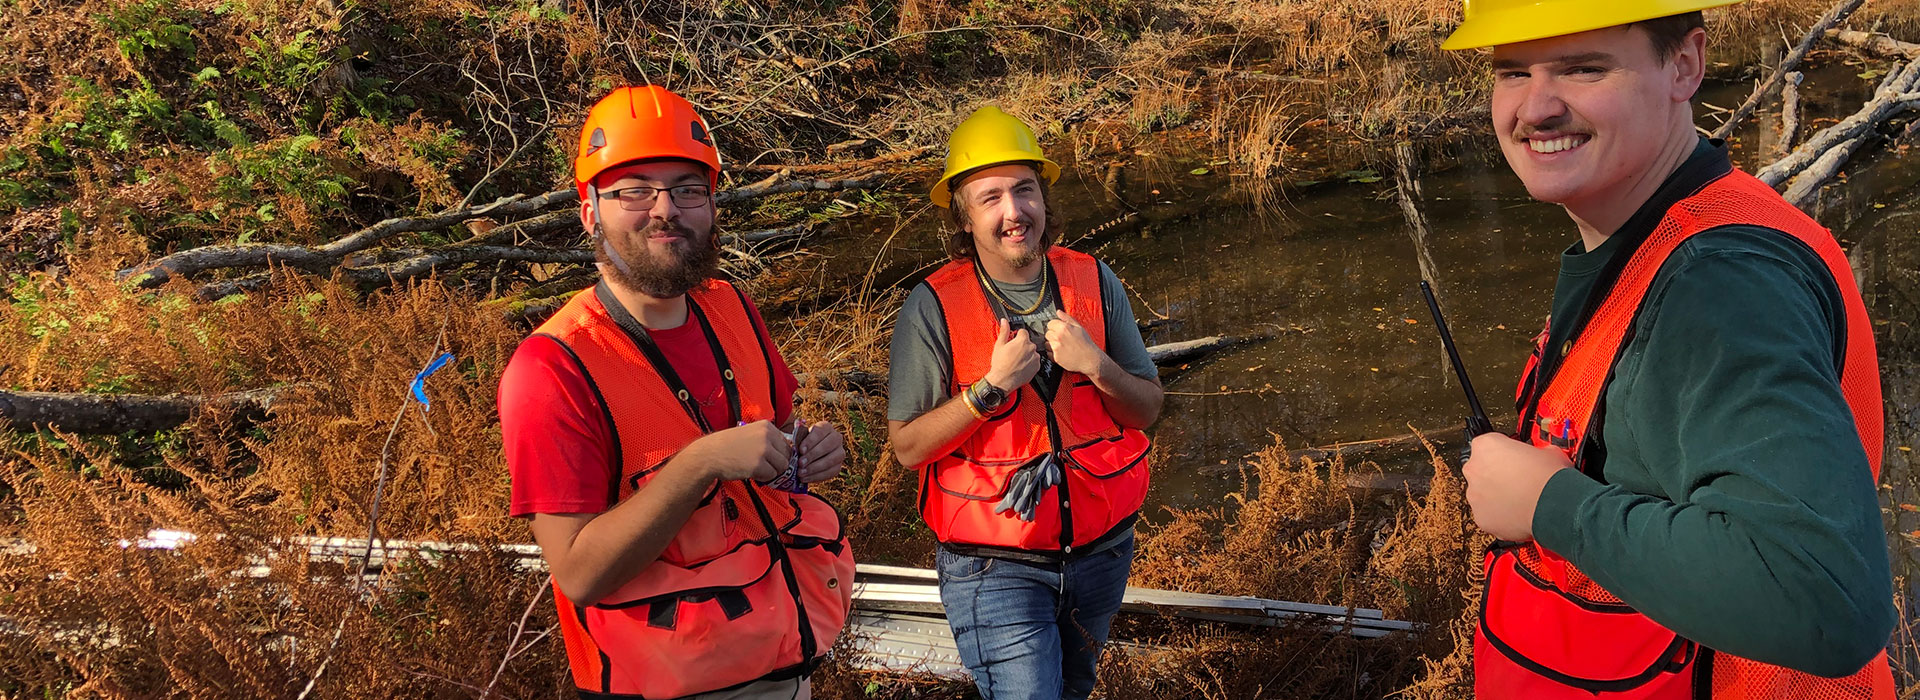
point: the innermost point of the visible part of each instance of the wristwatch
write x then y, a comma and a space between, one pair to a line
989, 397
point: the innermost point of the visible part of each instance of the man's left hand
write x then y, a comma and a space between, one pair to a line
824, 453
1072, 349
1504, 481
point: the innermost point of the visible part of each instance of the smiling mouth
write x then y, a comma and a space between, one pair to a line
1564, 143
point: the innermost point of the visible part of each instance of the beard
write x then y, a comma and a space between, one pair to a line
1031, 251
1031, 256
665, 275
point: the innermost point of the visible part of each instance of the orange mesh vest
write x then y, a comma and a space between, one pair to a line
758, 582
1105, 465
1546, 630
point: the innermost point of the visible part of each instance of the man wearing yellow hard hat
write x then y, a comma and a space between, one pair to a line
1687, 508
1018, 388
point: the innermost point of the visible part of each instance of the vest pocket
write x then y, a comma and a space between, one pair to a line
1107, 458
1542, 638
696, 639
1086, 414
975, 481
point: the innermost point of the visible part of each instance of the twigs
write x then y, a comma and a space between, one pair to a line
738, 111
1834, 16
519, 628
373, 530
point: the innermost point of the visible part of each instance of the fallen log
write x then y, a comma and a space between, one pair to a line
1820, 157
1189, 350
107, 414
1879, 45
319, 259
780, 183
1838, 12
420, 264
843, 166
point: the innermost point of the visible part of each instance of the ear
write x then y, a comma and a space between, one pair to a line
586, 215
1689, 63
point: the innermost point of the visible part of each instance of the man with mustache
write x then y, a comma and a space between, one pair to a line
642, 424
1687, 509
1018, 388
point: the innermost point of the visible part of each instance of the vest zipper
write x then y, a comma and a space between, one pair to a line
1059, 458
808, 645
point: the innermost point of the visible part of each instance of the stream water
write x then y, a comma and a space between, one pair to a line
1334, 272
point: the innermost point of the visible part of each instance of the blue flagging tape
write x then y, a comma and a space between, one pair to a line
420, 380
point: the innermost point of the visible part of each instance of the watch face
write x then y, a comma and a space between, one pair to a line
994, 397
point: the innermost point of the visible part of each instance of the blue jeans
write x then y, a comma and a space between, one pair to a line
1033, 632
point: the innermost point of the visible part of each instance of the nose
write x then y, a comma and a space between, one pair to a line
1541, 107
663, 207
1009, 208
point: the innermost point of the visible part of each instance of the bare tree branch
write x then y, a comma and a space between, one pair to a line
1834, 16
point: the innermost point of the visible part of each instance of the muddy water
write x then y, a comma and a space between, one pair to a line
1334, 273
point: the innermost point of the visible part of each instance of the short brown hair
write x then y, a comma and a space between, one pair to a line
959, 243
1668, 33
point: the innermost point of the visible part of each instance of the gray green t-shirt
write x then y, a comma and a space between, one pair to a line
921, 368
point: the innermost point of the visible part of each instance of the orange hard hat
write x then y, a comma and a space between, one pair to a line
637, 123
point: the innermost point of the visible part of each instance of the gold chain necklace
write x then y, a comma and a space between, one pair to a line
1004, 301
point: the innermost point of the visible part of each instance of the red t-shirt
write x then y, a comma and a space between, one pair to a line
559, 452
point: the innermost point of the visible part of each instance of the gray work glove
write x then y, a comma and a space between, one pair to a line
1027, 485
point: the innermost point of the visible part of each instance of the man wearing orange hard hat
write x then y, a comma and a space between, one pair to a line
1687, 508
646, 432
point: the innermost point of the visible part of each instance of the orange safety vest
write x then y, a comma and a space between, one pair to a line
1105, 465
759, 581
1546, 630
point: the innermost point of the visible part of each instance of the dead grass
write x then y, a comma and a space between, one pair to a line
1295, 532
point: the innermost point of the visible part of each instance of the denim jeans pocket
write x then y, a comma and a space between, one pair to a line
960, 567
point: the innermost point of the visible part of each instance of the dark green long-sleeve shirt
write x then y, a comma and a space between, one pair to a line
1734, 504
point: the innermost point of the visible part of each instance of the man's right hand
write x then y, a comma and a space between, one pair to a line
757, 451
1015, 359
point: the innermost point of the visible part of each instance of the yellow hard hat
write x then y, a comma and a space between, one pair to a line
990, 137
1497, 22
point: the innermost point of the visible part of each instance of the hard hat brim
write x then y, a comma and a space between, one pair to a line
1544, 20
942, 194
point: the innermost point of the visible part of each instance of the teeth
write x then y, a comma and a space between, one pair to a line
1556, 145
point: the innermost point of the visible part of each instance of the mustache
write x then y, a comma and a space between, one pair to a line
673, 227
1526, 131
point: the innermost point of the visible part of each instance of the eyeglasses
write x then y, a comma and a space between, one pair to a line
642, 198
